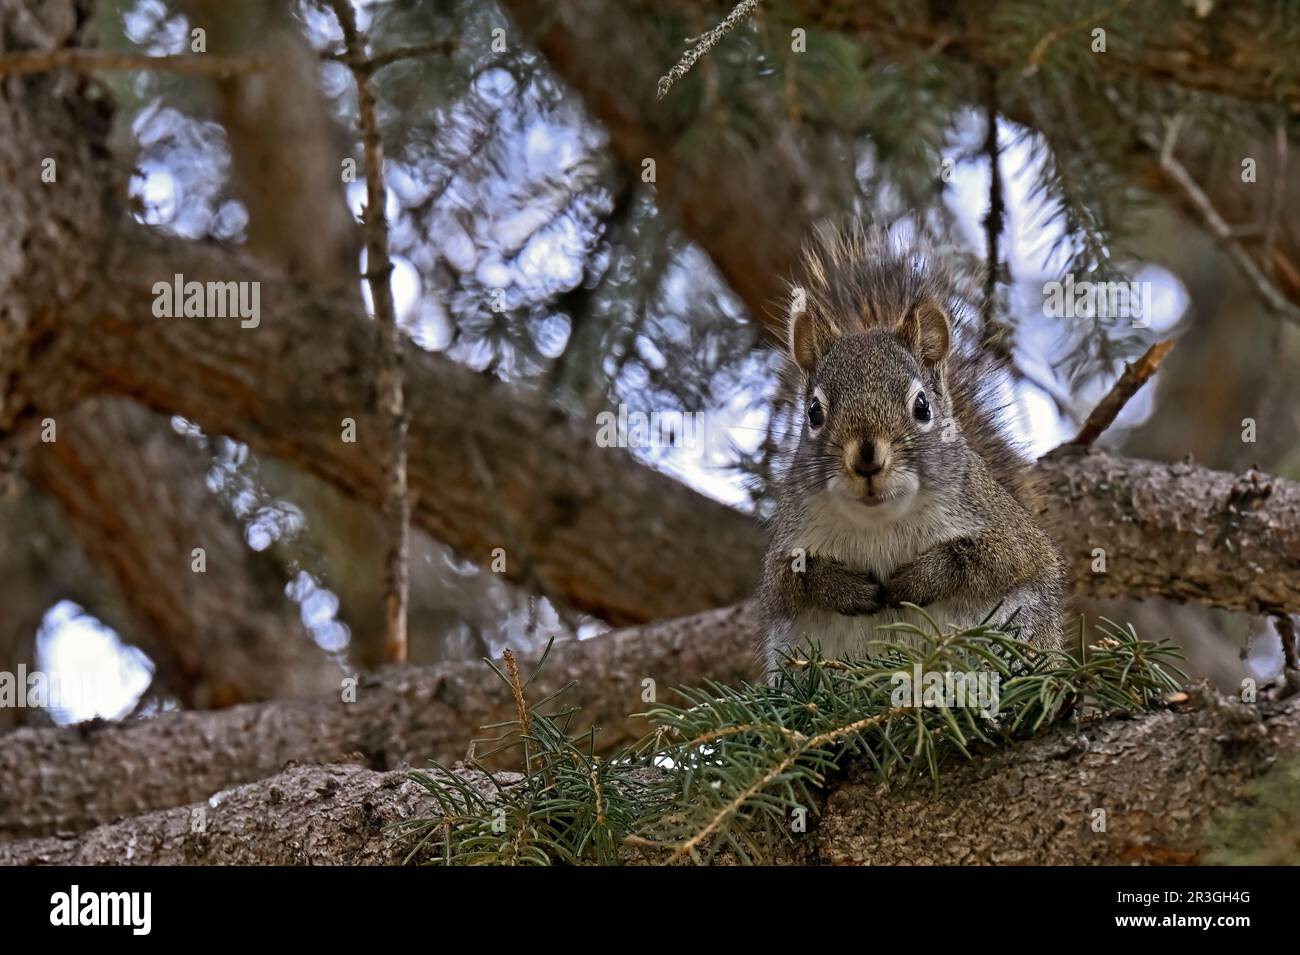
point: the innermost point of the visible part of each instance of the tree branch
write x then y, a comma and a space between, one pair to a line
389, 375
70, 779
1135, 375
1071, 797
700, 47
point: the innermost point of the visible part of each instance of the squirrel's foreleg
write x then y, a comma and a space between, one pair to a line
979, 567
832, 585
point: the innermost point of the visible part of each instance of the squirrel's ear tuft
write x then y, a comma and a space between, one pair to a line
926, 333
806, 337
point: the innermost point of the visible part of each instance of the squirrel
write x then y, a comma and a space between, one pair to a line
904, 487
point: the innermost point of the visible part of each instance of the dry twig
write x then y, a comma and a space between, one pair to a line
1134, 377
392, 399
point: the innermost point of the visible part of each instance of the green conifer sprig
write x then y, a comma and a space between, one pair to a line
738, 769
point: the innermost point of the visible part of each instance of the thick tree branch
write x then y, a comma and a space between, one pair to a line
1036, 803
1163, 782
69, 779
309, 815
1177, 531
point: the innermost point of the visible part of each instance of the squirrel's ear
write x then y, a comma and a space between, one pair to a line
806, 337
926, 333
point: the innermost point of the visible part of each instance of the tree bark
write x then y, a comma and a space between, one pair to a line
308, 815
1162, 779
69, 779
1033, 803
1177, 531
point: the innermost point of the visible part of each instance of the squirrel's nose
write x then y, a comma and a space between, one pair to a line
867, 463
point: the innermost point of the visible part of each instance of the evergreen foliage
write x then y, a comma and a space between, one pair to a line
730, 769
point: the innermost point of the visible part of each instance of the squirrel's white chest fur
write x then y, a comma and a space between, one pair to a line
879, 540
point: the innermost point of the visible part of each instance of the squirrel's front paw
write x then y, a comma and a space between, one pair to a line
891, 598
884, 598
851, 593
868, 601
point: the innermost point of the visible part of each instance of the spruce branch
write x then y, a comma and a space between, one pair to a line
567, 805
727, 769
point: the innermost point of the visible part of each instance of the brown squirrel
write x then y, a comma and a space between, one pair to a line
904, 487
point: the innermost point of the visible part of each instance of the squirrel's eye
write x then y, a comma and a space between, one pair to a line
815, 414
921, 407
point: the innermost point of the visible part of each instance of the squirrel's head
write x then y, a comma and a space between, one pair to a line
877, 415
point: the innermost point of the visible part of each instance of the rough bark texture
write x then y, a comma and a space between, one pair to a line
1177, 531
68, 779
308, 815
1162, 780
